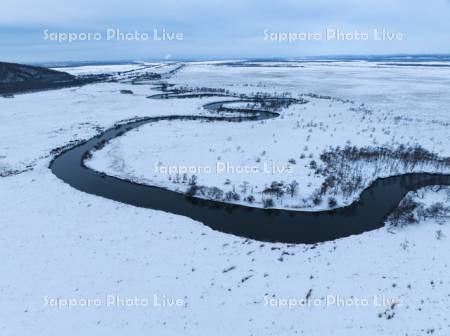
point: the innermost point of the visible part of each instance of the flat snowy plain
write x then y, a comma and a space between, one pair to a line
59, 243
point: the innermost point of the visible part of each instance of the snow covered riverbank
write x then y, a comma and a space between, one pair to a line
277, 163
59, 243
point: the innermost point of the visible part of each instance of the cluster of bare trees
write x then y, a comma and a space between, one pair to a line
197, 89
410, 211
278, 189
348, 169
245, 192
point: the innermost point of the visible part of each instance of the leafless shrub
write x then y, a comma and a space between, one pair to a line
268, 203
436, 210
215, 193
192, 190
317, 200
250, 199
232, 196
406, 212
332, 202
275, 189
292, 188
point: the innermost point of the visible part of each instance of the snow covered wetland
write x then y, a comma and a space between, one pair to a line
247, 198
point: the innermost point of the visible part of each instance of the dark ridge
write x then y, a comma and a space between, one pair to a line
20, 78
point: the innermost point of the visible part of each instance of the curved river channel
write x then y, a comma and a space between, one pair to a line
368, 213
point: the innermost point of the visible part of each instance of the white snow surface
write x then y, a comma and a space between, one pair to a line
375, 107
56, 242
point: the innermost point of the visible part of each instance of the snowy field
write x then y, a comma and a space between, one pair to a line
59, 244
374, 106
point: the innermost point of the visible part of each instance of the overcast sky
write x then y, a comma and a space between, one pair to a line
218, 29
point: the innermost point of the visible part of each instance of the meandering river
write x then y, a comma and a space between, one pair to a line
368, 213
